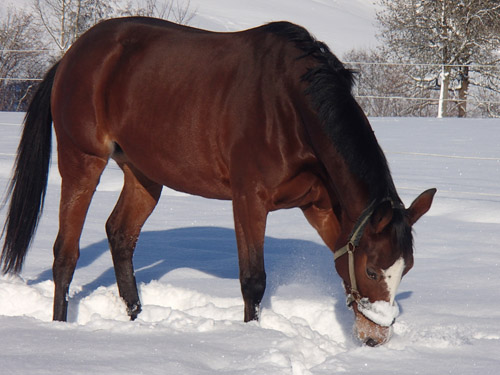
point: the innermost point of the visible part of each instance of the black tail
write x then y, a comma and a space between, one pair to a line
29, 181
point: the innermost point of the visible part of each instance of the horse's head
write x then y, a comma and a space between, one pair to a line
378, 253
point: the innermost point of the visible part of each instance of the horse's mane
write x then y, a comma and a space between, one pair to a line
330, 90
330, 85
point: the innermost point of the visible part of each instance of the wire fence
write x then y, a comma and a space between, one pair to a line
454, 100
471, 67
414, 89
22, 79
375, 99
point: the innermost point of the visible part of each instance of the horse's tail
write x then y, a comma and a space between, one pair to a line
29, 181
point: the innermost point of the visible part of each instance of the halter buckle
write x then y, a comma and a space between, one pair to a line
352, 297
351, 247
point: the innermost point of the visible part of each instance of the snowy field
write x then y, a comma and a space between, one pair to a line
186, 259
187, 269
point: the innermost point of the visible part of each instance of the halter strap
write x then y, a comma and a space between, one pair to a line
357, 231
352, 244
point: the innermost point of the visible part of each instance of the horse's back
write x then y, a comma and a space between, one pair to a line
182, 104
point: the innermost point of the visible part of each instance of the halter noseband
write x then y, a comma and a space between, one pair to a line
352, 244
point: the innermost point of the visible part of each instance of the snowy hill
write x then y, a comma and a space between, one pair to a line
342, 24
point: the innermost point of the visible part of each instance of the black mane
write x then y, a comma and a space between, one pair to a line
330, 86
330, 90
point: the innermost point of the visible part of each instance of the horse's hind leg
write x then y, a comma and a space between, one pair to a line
137, 200
80, 175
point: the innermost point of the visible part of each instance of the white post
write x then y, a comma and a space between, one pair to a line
444, 93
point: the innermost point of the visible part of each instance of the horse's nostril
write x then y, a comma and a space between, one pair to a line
393, 321
371, 342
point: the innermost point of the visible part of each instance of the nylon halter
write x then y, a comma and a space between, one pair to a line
352, 244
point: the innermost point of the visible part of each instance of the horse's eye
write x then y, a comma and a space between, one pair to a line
371, 273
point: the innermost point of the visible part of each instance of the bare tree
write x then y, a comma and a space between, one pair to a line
19, 57
383, 88
26, 41
66, 20
456, 35
175, 10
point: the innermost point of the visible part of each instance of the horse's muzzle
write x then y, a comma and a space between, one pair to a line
371, 342
370, 333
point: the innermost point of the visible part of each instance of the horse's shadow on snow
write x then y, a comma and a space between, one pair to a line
213, 250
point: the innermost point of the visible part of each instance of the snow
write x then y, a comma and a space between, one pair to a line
342, 24
187, 272
186, 261
380, 312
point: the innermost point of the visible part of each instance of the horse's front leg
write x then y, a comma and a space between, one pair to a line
325, 222
250, 224
321, 215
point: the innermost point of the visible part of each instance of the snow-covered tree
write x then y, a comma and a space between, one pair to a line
455, 35
384, 89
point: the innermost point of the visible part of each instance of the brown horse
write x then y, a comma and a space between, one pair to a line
264, 117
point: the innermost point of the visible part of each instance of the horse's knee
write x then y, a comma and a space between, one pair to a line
115, 237
121, 245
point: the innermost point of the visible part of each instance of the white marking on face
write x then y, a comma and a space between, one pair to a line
392, 277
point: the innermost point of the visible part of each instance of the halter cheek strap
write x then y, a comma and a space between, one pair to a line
350, 247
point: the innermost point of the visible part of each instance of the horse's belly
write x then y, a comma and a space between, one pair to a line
197, 185
188, 172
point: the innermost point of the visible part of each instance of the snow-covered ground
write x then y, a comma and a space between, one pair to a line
187, 269
187, 265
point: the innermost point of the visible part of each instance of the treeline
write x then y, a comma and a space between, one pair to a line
33, 39
436, 57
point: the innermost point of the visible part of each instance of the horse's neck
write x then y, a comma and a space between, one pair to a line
352, 194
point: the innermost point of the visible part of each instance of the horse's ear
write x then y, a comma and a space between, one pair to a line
420, 205
382, 215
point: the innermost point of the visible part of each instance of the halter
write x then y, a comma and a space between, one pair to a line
352, 244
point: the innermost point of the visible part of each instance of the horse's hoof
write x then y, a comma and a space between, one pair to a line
134, 310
